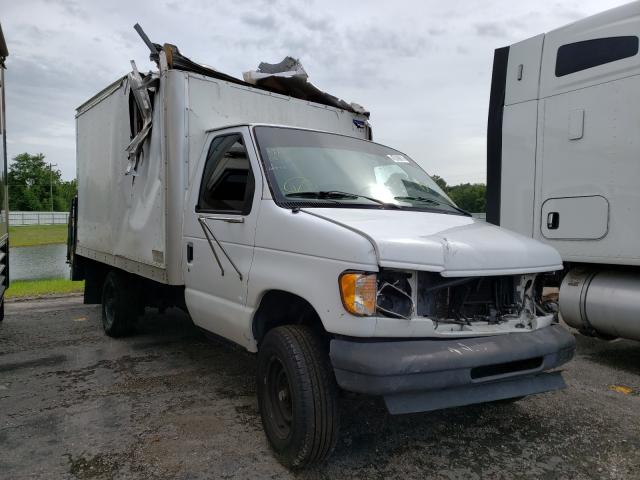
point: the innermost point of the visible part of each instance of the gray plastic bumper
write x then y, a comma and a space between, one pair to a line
429, 374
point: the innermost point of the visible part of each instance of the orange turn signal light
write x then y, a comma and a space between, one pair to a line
358, 292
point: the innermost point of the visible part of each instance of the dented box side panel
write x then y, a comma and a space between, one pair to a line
121, 218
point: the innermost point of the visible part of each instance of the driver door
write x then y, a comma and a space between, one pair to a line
219, 234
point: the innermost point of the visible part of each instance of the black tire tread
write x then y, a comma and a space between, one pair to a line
327, 399
324, 438
126, 304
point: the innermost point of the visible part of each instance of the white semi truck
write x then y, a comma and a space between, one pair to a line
267, 213
564, 161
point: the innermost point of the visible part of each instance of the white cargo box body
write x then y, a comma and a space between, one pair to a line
134, 222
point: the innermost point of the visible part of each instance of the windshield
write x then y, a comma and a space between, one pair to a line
307, 168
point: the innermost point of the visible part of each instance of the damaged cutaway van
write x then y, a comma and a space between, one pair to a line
266, 212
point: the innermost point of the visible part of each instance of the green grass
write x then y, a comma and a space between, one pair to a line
30, 235
37, 288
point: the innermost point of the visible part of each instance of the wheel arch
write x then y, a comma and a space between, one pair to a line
281, 307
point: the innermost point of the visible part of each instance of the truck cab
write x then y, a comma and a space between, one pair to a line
319, 239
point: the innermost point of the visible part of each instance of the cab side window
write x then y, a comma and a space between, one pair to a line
227, 180
578, 56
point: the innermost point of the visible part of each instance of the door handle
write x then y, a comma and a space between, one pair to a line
225, 218
189, 252
553, 220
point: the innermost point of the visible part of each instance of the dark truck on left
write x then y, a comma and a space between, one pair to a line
4, 194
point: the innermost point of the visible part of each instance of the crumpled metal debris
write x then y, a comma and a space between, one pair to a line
287, 68
385, 286
296, 85
140, 90
287, 77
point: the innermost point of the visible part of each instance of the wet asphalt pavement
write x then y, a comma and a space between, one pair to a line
170, 403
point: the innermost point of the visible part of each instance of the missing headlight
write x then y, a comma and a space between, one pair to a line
394, 295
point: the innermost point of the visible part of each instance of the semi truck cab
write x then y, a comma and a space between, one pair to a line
562, 162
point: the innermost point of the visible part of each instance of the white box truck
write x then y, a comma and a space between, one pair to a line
276, 223
563, 161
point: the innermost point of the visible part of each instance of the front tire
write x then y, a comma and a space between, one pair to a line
119, 304
297, 395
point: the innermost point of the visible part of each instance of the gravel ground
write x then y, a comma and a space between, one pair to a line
170, 403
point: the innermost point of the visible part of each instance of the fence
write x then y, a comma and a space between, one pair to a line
38, 218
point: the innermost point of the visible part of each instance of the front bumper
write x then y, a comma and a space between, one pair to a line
430, 374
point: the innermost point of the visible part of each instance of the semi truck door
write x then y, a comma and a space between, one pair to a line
219, 234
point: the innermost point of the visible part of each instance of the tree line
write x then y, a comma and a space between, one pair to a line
468, 196
35, 186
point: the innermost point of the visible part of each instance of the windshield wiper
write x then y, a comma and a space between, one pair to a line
433, 201
337, 194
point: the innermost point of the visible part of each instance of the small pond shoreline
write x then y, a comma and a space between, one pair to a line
38, 262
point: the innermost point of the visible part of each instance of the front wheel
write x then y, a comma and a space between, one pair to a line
297, 396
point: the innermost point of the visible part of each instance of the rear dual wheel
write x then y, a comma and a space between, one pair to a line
297, 396
120, 304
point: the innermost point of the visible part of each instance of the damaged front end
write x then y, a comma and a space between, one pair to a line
463, 304
469, 340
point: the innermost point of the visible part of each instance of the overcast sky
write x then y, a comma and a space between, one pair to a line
421, 67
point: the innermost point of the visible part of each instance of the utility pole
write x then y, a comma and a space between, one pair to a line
51, 183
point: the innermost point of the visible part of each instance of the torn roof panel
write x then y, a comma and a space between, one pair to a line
294, 85
285, 78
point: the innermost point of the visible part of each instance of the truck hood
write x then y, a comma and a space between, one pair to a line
453, 245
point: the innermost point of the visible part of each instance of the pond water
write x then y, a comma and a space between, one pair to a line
41, 261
